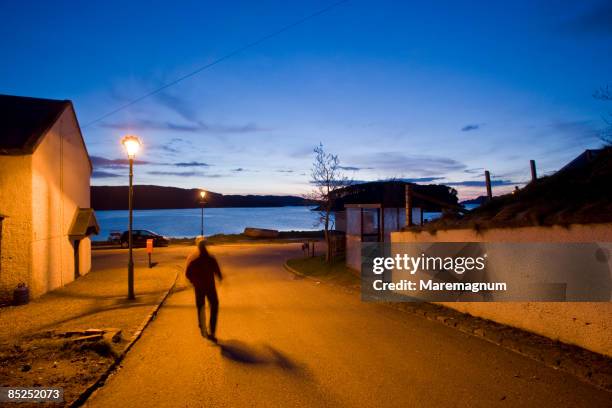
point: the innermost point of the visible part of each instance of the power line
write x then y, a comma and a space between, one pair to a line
220, 59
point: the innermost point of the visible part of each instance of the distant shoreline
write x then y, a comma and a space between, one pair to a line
207, 207
150, 197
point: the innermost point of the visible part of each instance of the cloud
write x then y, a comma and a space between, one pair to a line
303, 152
191, 164
284, 171
353, 168
421, 179
405, 180
420, 165
184, 174
104, 174
100, 162
597, 20
193, 127
238, 170
186, 110
175, 145
576, 129
476, 170
176, 173
178, 105
169, 148
470, 127
103, 162
473, 183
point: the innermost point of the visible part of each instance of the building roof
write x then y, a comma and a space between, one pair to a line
582, 159
392, 194
84, 224
24, 121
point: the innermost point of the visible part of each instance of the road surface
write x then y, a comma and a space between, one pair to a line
286, 342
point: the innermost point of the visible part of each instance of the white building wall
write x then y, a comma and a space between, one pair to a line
586, 324
15, 205
353, 238
60, 184
85, 256
393, 220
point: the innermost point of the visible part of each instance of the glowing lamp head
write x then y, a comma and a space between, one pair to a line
132, 145
202, 194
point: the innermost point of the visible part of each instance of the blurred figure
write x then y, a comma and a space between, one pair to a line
201, 272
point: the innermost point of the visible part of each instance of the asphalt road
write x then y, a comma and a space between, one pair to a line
286, 342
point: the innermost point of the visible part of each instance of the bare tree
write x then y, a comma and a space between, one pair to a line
605, 94
327, 178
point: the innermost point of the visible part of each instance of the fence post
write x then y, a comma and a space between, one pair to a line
408, 205
534, 174
488, 183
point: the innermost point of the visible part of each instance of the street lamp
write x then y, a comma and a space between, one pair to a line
131, 145
202, 202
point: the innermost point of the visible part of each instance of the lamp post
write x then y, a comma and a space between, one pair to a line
202, 202
131, 145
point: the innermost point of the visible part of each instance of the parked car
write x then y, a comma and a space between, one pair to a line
114, 237
139, 239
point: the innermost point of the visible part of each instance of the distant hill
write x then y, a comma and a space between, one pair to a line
158, 197
480, 200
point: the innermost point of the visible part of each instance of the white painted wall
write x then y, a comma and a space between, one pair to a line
60, 185
15, 204
39, 195
586, 324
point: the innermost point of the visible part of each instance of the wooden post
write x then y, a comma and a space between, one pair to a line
381, 224
488, 183
150, 251
397, 215
534, 174
408, 208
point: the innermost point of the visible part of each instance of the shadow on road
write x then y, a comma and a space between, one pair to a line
241, 352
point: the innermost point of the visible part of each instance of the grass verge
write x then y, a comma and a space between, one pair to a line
316, 267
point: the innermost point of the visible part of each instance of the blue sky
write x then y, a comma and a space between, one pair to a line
430, 92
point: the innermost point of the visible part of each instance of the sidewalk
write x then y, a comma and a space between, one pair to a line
34, 351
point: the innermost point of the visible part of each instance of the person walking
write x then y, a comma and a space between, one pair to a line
201, 272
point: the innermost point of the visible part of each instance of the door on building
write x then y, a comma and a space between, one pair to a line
370, 225
77, 272
1, 218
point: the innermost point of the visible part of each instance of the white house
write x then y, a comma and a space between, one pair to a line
370, 212
45, 214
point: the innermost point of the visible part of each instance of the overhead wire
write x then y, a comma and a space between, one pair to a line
219, 60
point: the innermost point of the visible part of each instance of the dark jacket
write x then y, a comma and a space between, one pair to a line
201, 272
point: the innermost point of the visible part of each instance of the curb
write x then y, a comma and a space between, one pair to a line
342, 287
295, 271
84, 396
587, 366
